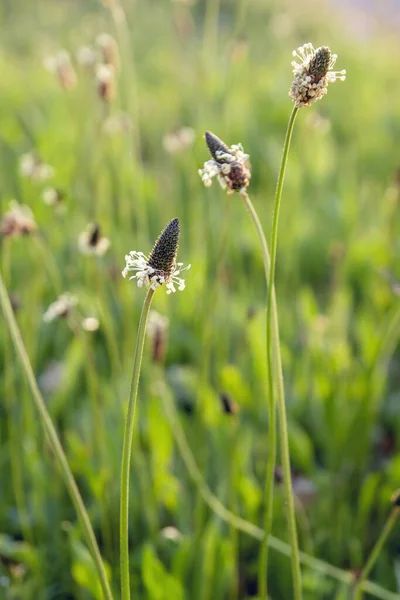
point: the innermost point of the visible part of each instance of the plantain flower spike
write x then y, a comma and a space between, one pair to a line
312, 74
229, 164
160, 266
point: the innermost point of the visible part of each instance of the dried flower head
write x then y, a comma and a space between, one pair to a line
229, 164
105, 82
313, 74
30, 165
109, 50
179, 140
161, 266
17, 221
60, 64
92, 242
61, 308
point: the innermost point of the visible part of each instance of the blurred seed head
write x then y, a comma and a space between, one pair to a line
18, 221
31, 166
61, 308
157, 330
161, 266
179, 140
105, 80
229, 164
228, 405
109, 50
60, 64
117, 124
92, 242
86, 57
312, 74
52, 196
171, 533
90, 324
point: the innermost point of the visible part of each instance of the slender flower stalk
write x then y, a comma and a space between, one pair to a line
153, 271
54, 441
387, 529
231, 167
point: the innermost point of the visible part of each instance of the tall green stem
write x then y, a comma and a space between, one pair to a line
269, 486
127, 448
281, 406
54, 440
390, 523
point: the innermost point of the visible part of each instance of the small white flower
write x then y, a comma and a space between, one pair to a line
145, 274
312, 73
60, 65
61, 308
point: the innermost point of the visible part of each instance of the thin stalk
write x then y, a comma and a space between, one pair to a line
390, 523
281, 406
269, 486
320, 566
54, 440
127, 448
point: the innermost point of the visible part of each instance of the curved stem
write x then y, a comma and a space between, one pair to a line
320, 566
281, 407
269, 486
127, 448
390, 523
54, 440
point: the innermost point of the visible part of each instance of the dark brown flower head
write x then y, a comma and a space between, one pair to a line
161, 266
163, 256
94, 235
320, 63
215, 145
229, 164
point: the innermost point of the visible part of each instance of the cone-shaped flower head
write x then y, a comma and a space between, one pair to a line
313, 74
160, 266
92, 242
229, 164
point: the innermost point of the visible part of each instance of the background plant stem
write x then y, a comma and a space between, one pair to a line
127, 448
390, 523
53, 439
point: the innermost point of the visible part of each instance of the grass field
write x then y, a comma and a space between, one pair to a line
222, 66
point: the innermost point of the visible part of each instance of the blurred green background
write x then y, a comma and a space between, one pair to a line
125, 164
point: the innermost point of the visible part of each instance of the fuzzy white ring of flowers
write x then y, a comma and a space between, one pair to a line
221, 167
145, 274
304, 90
